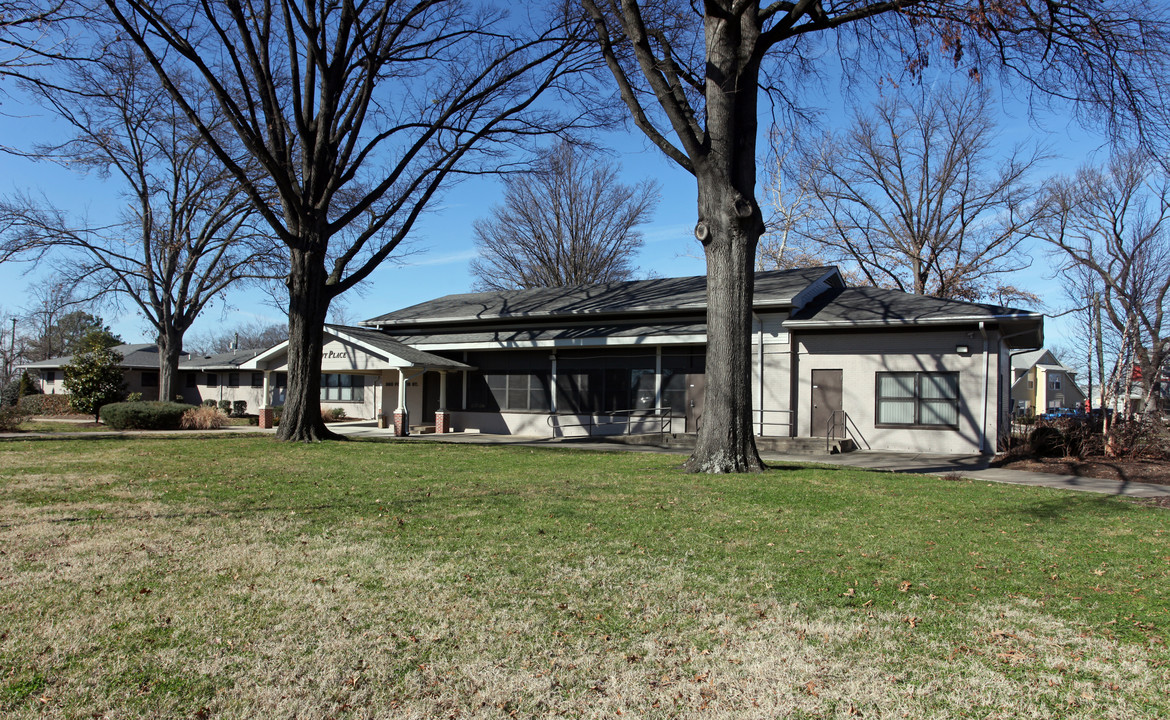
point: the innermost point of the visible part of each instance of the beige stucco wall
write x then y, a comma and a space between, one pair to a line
860, 356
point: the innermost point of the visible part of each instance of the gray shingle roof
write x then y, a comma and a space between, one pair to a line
874, 306
545, 334
775, 288
220, 361
134, 355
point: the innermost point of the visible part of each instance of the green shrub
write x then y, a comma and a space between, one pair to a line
46, 404
151, 415
225, 406
239, 408
209, 403
93, 378
332, 414
134, 397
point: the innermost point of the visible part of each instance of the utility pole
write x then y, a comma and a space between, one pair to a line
11, 364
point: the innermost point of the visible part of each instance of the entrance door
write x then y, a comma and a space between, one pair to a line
826, 399
430, 396
696, 388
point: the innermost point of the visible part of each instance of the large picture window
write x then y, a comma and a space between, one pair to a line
918, 399
342, 388
508, 391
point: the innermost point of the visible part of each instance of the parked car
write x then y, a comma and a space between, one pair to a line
1062, 413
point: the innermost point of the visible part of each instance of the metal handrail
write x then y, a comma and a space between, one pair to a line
832, 425
593, 419
760, 423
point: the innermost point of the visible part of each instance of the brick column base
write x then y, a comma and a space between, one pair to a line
400, 429
442, 422
267, 418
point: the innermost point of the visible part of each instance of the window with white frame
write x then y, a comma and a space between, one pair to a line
918, 399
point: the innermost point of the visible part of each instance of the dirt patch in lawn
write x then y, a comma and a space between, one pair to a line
1123, 470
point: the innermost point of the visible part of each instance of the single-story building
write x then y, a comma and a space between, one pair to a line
888, 369
139, 362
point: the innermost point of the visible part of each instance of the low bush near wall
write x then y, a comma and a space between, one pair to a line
11, 418
239, 408
332, 414
46, 405
203, 418
153, 415
209, 403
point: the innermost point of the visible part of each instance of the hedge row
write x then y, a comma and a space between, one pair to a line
46, 405
151, 415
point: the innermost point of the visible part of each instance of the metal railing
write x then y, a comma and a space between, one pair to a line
628, 418
759, 423
840, 420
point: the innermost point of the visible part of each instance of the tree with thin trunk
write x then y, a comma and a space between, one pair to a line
357, 113
1112, 224
186, 234
912, 197
569, 221
691, 75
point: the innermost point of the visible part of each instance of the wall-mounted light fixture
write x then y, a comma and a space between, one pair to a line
962, 349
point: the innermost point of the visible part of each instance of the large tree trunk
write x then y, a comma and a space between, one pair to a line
308, 303
725, 443
170, 347
730, 225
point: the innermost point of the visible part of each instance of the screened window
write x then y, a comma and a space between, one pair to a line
50, 376
1055, 383
212, 380
257, 380
508, 391
233, 380
918, 398
149, 379
344, 388
191, 378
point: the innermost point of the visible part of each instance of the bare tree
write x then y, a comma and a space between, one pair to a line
187, 232
249, 335
690, 75
910, 199
29, 36
357, 113
569, 221
1111, 225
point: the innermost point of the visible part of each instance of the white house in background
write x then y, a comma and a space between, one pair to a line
1041, 383
888, 369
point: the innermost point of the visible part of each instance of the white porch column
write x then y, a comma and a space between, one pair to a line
401, 418
267, 414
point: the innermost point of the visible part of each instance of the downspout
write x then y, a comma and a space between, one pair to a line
983, 390
760, 361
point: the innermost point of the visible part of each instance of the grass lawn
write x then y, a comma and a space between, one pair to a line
236, 577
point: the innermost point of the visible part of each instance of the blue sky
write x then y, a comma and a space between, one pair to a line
442, 243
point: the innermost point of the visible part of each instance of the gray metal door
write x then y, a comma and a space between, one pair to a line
826, 399
696, 387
